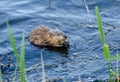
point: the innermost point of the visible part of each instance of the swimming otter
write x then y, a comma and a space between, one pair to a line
47, 37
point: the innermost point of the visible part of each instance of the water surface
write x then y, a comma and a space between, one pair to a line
85, 57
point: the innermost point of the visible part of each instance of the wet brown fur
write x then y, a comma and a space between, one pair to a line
44, 36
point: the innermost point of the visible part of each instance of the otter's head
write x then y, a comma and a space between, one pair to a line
59, 39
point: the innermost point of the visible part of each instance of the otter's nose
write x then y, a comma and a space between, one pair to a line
65, 36
65, 44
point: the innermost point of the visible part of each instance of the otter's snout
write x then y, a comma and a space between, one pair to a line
65, 44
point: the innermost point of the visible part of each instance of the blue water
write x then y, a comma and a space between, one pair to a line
85, 57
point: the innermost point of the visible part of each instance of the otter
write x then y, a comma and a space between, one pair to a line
47, 37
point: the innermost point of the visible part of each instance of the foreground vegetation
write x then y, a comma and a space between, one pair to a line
106, 51
20, 57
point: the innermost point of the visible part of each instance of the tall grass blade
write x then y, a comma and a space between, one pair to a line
43, 71
109, 68
107, 57
106, 52
100, 25
12, 41
22, 60
105, 46
64, 80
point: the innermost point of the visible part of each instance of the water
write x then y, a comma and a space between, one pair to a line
85, 57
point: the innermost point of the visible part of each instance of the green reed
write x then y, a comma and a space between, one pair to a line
64, 80
107, 55
105, 46
20, 59
12, 41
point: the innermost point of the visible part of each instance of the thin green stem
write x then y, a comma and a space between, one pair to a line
22, 62
110, 75
64, 80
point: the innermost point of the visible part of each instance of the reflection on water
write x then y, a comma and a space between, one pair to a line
62, 50
82, 58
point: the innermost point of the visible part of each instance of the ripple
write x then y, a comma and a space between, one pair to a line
85, 53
